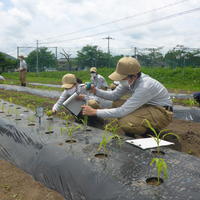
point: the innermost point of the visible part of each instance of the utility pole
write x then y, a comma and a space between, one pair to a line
108, 38
17, 52
37, 56
135, 52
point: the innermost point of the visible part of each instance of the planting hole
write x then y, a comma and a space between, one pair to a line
70, 141
154, 181
11, 105
8, 115
1, 112
18, 119
18, 108
31, 124
48, 132
158, 153
49, 118
101, 155
25, 110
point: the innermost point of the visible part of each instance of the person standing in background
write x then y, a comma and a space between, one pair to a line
98, 80
22, 70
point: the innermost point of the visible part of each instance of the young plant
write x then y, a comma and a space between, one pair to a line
10, 99
113, 127
85, 122
191, 102
49, 113
161, 167
105, 140
157, 135
62, 130
72, 129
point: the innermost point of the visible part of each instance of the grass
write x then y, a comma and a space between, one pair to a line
177, 78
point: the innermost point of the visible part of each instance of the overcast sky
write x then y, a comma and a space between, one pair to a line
72, 24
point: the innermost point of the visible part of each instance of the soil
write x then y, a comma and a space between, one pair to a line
15, 184
189, 136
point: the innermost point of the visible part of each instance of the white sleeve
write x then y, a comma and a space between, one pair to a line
112, 95
60, 101
139, 98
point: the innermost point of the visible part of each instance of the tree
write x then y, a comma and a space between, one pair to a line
6, 63
91, 56
46, 59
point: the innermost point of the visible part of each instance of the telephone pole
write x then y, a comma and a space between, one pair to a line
37, 56
108, 38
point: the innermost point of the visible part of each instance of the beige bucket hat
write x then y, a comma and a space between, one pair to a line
68, 81
93, 69
125, 66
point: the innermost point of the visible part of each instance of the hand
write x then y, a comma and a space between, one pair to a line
80, 97
87, 110
93, 89
54, 112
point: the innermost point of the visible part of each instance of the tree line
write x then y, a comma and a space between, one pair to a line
89, 56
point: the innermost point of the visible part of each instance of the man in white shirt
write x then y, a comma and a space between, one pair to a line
97, 80
149, 99
2, 79
22, 71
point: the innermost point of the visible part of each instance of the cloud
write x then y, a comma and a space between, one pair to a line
25, 21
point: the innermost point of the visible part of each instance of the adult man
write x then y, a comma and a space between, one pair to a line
149, 99
22, 70
97, 79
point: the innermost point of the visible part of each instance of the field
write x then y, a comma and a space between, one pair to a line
185, 80
177, 79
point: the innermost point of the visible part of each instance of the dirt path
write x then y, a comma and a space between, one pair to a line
18, 185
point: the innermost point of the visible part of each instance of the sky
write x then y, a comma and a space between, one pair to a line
72, 24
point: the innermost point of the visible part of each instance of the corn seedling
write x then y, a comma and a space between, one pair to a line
113, 128
157, 135
10, 99
161, 167
85, 122
71, 130
49, 113
105, 140
191, 102
62, 130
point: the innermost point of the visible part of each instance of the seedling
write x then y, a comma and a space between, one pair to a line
113, 128
71, 130
161, 167
85, 122
105, 140
157, 135
191, 102
49, 113
62, 130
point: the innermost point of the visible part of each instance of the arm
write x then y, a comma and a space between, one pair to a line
139, 98
60, 101
112, 95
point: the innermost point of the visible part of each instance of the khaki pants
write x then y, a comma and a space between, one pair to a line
93, 103
134, 123
22, 76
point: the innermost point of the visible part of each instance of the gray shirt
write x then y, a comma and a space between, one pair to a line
99, 81
145, 90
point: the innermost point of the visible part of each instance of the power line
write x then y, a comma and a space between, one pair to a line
118, 20
128, 27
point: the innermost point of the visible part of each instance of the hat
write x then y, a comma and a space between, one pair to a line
21, 57
68, 81
125, 66
93, 69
